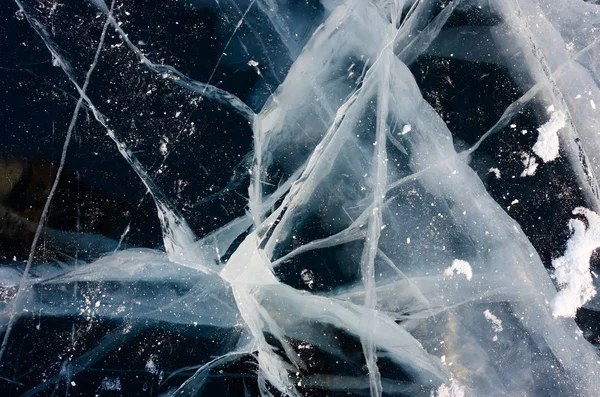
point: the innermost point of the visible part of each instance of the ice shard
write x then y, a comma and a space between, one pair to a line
272, 197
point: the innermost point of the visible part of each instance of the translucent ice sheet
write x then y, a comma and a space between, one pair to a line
313, 198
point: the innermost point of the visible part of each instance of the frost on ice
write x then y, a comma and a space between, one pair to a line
295, 228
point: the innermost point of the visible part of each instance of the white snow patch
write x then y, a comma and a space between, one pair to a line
592, 104
252, 62
459, 266
496, 322
495, 171
572, 270
454, 390
547, 143
406, 129
530, 165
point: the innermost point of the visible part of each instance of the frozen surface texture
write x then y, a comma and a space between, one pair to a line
300, 198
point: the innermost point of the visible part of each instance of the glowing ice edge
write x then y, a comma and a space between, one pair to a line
391, 318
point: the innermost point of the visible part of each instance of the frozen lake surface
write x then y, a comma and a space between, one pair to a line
300, 198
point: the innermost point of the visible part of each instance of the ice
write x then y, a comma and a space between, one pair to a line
310, 198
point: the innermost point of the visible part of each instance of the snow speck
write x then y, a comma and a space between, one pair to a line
252, 62
459, 266
547, 144
495, 171
592, 104
110, 384
406, 129
308, 278
163, 146
529, 163
572, 270
151, 366
495, 321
